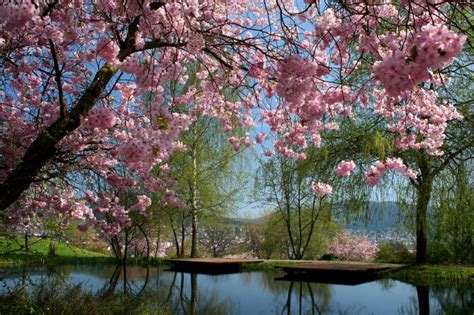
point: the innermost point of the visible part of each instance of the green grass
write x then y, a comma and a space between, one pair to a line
12, 253
416, 275
268, 265
41, 247
431, 274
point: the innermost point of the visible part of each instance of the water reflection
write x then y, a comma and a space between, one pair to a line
243, 293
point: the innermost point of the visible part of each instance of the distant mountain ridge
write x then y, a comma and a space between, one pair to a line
381, 216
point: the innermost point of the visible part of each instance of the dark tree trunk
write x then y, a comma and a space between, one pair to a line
116, 249
194, 215
423, 190
183, 239
176, 242
423, 198
27, 247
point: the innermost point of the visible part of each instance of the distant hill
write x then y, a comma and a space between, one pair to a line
243, 221
381, 216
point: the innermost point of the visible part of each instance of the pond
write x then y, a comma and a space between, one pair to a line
258, 292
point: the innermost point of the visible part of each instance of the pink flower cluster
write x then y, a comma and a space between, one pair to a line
135, 151
421, 122
432, 48
237, 142
102, 118
108, 50
321, 189
345, 168
15, 14
143, 202
350, 247
375, 173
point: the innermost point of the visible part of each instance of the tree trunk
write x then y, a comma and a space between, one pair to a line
115, 244
194, 236
194, 219
27, 247
125, 250
424, 187
176, 242
423, 199
183, 239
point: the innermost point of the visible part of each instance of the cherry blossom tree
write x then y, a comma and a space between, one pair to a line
351, 247
82, 84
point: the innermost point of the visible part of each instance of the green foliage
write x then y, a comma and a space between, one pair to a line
393, 252
275, 242
452, 218
84, 240
426, 275
44, 251
42, 247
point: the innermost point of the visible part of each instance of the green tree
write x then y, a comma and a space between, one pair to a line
206, 174
286, 184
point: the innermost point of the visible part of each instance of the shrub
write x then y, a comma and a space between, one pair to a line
395, 252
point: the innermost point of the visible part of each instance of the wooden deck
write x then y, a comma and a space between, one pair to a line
209, 265
335, 272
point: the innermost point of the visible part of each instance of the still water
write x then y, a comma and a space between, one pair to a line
250, 292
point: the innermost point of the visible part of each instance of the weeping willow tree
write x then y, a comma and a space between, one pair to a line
452, 216
206, 173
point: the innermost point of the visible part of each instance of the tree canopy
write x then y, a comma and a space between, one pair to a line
83, 87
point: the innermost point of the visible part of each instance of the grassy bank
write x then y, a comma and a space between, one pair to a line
41, 251
431, 274
416, 275
268, 265
12, 254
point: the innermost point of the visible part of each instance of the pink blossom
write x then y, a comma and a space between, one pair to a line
321, 189
108, 50
350, 247
345, 168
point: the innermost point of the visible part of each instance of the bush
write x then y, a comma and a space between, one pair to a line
395, 252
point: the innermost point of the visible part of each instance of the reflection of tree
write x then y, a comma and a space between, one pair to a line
307, 298
456, 300
423, 294
386, 284
128, 286
185, 297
